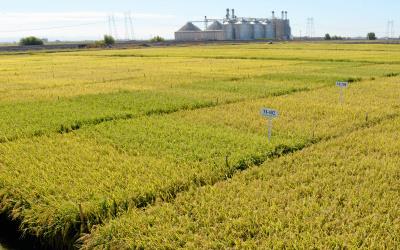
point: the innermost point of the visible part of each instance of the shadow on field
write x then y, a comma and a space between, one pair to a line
10, 237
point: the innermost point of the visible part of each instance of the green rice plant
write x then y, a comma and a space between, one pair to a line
65, 115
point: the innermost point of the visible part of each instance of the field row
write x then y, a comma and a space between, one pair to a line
35, 79
62, 114
342, 193
44, 76
117, 166
156, 147
386, 54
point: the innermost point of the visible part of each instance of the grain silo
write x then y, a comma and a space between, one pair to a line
270, 30
237, 28
244, 30
259, 30
214, 32
279, 29
229, 31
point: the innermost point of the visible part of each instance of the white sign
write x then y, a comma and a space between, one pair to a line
342, 84
270, 113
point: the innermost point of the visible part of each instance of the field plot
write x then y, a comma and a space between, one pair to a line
342, 193
90, 140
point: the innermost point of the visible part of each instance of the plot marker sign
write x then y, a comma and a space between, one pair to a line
342, 86
270, 114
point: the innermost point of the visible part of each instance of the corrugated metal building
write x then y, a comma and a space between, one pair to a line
235, 28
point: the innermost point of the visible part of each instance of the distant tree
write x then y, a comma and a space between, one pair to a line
337, 38
31, 40
371, 36
109, 40
328, 37
157, 39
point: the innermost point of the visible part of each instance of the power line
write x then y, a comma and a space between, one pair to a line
111, 20
51, 28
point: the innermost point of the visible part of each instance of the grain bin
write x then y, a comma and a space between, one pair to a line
244, 30
259, 30
280, 29
229, 30
215, 26
238, 28
189, 32
270, 30
288, 30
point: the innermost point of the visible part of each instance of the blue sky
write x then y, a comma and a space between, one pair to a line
162, 17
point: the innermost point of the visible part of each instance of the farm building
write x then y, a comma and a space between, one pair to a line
237, 28
191, 32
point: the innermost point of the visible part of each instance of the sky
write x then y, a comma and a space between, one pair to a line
88, 19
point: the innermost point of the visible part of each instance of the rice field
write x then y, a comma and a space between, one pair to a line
165, 148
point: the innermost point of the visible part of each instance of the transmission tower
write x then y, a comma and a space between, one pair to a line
129, 35
114, 26
390, 29
131, 24
310, 29
110, 29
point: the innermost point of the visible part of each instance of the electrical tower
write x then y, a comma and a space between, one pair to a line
110, 29
129, 34
112, 26
310, 29
390, 29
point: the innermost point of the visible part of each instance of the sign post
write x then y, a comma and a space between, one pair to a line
342, 86
270, 114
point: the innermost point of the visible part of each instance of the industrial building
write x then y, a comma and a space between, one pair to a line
237, 28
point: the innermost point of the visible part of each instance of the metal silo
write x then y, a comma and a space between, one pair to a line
259, 30
270, 30
288, 30
215, 26
244, 30
280, 29
236, 33
189, 32
229, 30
